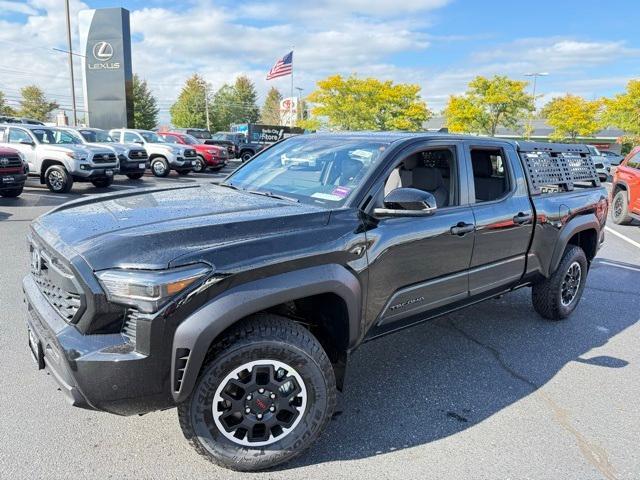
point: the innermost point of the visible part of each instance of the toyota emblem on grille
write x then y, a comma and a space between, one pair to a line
36, 261
4, 161
105, 156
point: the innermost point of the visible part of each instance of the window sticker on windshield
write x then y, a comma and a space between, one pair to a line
341, 192
326, 196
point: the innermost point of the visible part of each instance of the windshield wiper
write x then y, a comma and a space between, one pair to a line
228, 185
272, 195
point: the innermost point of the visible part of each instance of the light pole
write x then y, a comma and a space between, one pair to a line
535, 76
299, 89
73, 89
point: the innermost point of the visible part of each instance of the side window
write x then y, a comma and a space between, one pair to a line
490, 176
634, 162
17, 135
433, 170
130, 137
171, 138
3, 134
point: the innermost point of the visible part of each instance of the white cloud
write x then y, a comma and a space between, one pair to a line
16, 7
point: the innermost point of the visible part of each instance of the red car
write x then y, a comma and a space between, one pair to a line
209, 156
13, 172
626, 189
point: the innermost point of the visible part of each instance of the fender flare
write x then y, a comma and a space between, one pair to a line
198, 331
573, 226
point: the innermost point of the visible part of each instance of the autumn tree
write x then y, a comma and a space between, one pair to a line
5, 109
623, 110
571, 117
367, 104
270, 113
189, 110
35, 105
487, 104
145, 106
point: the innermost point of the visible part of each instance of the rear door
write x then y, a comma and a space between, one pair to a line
503, 215
18, 135
630, 173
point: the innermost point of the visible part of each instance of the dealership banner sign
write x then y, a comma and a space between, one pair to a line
105, 40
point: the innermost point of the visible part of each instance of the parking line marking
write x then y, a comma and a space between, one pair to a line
626, 267
45, 195
623, 237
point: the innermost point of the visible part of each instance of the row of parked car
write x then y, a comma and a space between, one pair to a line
60, 156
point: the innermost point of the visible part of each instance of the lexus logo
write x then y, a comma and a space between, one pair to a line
4, 161
103, 51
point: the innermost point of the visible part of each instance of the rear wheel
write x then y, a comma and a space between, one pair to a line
11, 192
620, 209
199, 165
102, 182
246, 155
58, 179
135, 176
557, 297
265, 394
160, 167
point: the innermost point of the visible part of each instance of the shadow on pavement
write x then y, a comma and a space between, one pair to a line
439, 378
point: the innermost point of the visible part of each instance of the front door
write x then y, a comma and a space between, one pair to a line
418, 265
503, 215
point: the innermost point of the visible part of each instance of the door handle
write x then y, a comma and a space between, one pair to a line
522, 218
462, 228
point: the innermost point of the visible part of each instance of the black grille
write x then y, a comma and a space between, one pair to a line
189, 153
66, 303
138, 155
104, 158
7, 161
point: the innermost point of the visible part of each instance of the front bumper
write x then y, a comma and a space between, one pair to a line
92, 172
12, 180
98, 372
132, 166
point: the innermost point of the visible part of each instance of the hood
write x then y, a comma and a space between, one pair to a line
149, 228
102, 147
177, 150
80, 149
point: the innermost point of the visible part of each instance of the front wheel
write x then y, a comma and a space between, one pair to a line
11, 192
265, 395
557, 297
58, 179
102, 182
160, 167
246, 155
199, 165
620, 209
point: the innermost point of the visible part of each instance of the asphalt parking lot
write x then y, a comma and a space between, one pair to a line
490, 392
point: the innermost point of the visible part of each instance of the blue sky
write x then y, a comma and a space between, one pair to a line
589, 48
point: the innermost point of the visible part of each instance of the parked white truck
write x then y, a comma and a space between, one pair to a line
59, 158
163, 156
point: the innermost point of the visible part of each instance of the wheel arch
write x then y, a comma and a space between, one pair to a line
46, 164
314, 287
582, 231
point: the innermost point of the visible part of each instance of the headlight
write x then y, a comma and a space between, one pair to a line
148, 290
212, 152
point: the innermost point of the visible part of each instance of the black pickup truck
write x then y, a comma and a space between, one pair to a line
240, 303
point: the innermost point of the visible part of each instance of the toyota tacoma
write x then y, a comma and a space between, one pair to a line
241, 303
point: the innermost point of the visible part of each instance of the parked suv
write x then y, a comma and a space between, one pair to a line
625, 191
163, 156
209, 156
241, 303
13, 172
601, 162
133, 159
60, 158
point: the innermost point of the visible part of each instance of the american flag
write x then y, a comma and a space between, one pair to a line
282, 68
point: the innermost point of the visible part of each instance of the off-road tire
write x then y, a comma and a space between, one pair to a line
135, 176
65, 183
11, 192
261, 337
199, 164
620, 209
547, 295
102, 182
155, 167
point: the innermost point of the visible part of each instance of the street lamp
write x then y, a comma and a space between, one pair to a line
535, 76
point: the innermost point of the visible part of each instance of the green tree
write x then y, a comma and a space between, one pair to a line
222, 108
244, 108
5, 109
270, 113
623, 111
145, 106
367, 104
35, 105
487, 104
189, 110
572, 116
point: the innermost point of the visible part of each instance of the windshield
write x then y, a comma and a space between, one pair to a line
189, 140
311, 170
152, 137
200, 134
96, 136
54, 136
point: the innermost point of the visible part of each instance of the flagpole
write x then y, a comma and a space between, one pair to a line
291, 96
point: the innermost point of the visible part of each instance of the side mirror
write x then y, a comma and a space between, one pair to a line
26, 142
407, 202
139, 142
